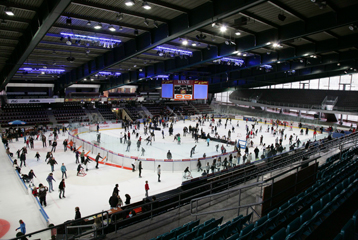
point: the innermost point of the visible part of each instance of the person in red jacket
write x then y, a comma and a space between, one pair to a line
146, 187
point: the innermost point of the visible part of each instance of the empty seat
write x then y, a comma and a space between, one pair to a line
280, 235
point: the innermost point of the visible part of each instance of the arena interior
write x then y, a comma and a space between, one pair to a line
179, 120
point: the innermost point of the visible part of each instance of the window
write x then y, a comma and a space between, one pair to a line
334, 83
324, 83
314, 84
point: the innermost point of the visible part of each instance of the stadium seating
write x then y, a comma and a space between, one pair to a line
106, 111
70, 111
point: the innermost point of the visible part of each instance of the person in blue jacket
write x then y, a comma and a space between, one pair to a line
49, 179
64, 170
22, 227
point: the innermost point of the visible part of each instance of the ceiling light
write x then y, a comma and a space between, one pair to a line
193, 44
275, 45
278, 61
245, 54
146, 6
71, 59
42, 73
353, 27
98, 26
119, 16
9, 11
129, 3
215, 25
227, 42
232, 43
69, 42
338, 64
68, 21
155, 24
281, 17
238, 53
223, 28
111, 28
146, 22
237, 33
185, 42
89, 23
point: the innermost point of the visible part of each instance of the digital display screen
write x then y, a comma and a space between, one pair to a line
167, 90
200, 91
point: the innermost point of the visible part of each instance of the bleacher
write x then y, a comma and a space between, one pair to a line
156, 110
30, 113
106, 111
298, 218
132, 112
204, 108
70, 112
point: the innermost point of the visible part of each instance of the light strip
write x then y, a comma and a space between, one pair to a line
173, 50
110, 73
42, 70
232, 60
84, 37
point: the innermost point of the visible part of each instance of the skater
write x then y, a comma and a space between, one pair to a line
42, 194
49, 179
163, 133
52, 162
146, 188
87, 160
97, 158
82, 156
187, 173
113, 201
208, 141
77, 156
128, 199
128, 145
133, 165
64, 170
65, 145
62, 187
78, 213
23, 159
30, 177
169, 155
22, 227
159, 172
143, 151
256, 153
37, 156
79, 168
138, 145
54, 144
199, 166
140, 168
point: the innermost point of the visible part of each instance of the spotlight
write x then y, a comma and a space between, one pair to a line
42, 73
9, 11
160, 53
68, 42
98, 26
353, 27
68, 21
146, 6
227, 42
278, 61
111, 28
275, 45
223, 28
146, 22
88, 50
338, 64
237, 33
185, 42
136, 32
239, 54
129, 3
215, 25
155, 24
232, 43
193, 44
281, 17
89, 23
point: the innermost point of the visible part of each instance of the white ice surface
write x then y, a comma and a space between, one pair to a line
91, 193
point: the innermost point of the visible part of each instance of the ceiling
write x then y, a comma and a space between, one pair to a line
264, 42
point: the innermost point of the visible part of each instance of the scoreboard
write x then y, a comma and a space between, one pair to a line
185, 89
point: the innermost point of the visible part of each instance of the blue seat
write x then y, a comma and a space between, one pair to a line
272, 213
355, 219
169, 236
293, 226
198, 238
181, 236
332, 194
283, 206
305, 216
221, 234
339, 188
246, 220
189, 236
347, 231
259, 231
261, 221
238, 217
324, 200
209, 221
292, 200
210, 232
315, 207
181, 230
234, 237
345, 183
246, 230
279, 235
191, 225
233, 227
298, 233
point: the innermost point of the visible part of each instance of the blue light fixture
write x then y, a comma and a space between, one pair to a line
47, 70
231, 61
89, 38
175, 51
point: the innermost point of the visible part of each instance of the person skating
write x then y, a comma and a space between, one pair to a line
23, 159
43, 138
256, 153
77, 157
113, 201
140, 168
49, 179
65, 145
30, 177
146, 188
199, 166
79, 167
62, 187
133, 165
128, 199
37, 156
22, 227
86, 162
77, 213
64, 170
138, 145
143, 151
54, 145
115, 189
52, 163
159, 171
97, 158
208, 141
82, 156
128, 145
169, 155
42, 194
48, 156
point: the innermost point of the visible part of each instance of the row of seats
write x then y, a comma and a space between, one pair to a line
203, 108
27, 112
17, 107
350, 229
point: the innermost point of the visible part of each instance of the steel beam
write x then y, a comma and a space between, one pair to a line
48, 13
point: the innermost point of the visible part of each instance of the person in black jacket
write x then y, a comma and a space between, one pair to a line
42, 194
52, 162
23, 159
97, 158
31, 176
79, 167
78, 213
54, 145
140, 168
128, 199
116, 190
62, 188
113, 201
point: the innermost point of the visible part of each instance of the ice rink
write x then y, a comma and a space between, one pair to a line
92, 192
